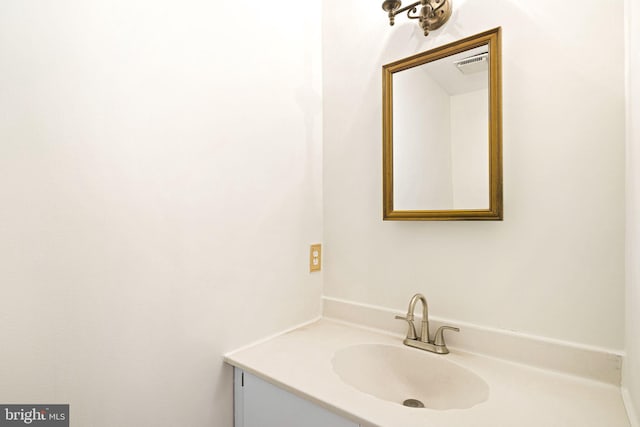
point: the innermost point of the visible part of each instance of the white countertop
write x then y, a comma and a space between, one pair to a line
300, 361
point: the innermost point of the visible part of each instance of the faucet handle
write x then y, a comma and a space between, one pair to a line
411, 332
439, 338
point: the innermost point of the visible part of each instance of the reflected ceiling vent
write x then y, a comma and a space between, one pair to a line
473, 64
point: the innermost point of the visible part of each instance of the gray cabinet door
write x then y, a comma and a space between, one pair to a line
261, 404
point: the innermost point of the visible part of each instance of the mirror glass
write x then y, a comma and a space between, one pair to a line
442, 132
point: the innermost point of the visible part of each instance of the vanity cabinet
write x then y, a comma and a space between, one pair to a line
258, 403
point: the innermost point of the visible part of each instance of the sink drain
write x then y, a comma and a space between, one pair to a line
413, 403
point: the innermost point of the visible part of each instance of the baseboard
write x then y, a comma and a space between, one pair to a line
631, 410
588, 362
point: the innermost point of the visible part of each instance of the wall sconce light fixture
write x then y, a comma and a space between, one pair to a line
433, 13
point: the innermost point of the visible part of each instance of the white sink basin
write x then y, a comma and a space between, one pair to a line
397, 374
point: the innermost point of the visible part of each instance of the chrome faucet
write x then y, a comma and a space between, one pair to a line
424, 342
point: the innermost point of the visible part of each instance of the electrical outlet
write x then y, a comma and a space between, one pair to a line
315, 257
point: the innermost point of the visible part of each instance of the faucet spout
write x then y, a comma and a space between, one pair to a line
424, 329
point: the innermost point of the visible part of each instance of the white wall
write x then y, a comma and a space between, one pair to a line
421, 152
469, 153
160, 183
555, 266
631, 365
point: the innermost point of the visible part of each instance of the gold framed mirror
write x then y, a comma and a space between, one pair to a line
442, 132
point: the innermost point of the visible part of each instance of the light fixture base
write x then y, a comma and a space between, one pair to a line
440, 15
433, 13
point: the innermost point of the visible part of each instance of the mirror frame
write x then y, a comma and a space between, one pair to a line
492, 39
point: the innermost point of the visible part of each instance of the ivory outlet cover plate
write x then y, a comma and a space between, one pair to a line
315, 257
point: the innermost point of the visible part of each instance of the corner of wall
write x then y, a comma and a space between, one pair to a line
632, 413
631, 363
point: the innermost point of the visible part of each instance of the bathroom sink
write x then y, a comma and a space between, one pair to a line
409, 376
